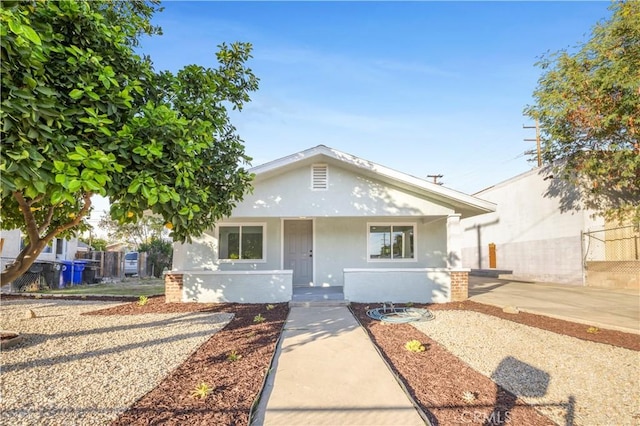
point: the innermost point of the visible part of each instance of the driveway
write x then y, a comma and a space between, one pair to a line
605, 308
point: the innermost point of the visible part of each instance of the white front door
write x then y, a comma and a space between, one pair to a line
298, 250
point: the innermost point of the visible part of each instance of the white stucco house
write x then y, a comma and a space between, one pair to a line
324, 218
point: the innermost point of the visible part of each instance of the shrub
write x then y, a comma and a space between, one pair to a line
142, 300
414, 346
201, 391
258, 318
233, 356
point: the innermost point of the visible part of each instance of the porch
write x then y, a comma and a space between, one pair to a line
419, 285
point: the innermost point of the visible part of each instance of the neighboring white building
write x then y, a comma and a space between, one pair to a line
533, 237
58, 249
324, 218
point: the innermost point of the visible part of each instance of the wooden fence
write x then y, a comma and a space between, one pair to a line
110, 264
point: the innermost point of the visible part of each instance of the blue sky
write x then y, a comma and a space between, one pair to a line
421, 87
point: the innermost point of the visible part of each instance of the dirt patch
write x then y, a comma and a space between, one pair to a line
234, 385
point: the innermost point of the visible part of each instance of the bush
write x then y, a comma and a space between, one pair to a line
159, 255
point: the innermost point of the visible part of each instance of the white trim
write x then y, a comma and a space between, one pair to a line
241, 224
392, 224
207, 272
406, 270
325, 184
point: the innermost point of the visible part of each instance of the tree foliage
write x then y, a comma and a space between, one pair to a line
136, 233
96, 244
588, 105
159, 255
83, 114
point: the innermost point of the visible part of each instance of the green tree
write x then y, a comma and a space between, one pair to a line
83, 114
588, 106
141, 231
160, 254
97, 244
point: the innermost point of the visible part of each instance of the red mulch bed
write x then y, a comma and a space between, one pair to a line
235, 384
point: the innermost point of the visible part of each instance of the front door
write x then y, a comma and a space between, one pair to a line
298, 250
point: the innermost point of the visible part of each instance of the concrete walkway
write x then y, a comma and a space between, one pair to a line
604, 308
327, 372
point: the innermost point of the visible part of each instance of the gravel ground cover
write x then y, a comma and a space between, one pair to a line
447, 390
569, 380
484, 366
480, 366
75, 369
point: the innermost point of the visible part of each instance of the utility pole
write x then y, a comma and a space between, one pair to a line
435, 179
537, 140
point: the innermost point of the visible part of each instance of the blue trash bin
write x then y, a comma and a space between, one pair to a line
67, 272
72, 271
78, 267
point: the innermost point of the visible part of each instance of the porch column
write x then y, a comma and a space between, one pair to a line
454, 241
459, 276
173, 288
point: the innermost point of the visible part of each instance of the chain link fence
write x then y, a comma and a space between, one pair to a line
611, 257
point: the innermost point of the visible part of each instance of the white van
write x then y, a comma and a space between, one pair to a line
131, 263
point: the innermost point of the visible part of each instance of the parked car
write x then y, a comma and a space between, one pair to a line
131, 263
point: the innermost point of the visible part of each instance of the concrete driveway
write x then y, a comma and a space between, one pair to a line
611, 309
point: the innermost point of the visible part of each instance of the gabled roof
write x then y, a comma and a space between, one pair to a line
465, 204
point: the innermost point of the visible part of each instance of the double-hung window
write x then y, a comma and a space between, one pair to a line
241, 242
391, 242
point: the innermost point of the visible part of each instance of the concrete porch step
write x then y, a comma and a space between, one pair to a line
492, 273
318, 303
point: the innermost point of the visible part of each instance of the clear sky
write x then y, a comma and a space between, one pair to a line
421, 87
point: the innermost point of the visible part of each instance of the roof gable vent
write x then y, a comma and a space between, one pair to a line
319, 177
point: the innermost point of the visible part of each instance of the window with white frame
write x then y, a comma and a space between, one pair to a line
391, 241
241, 242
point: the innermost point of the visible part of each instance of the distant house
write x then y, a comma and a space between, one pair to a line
58, 249
83, 247
118, 246
535, 236
324, 218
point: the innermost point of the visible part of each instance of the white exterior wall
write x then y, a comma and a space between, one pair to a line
533, 237
339, 243
237, 287
430, 285
348, 195
202, 253
342, 243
